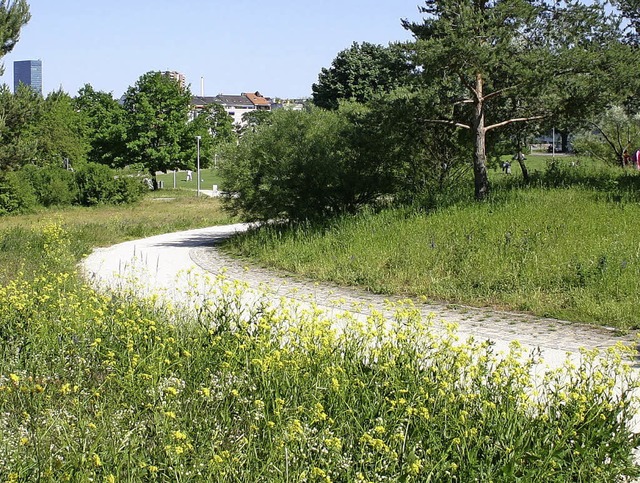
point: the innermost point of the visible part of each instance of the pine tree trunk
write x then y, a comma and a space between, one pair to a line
481, 181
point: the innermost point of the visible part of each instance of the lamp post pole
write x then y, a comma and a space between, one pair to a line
198, 140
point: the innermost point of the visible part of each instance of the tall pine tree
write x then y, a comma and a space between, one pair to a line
493, 63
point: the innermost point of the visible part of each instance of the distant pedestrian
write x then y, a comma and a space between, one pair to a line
189, 175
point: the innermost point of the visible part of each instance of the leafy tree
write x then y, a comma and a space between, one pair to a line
219, 124
478, 56
630, 10
13, 16
20, 113
157, 111
253, 119
359, 73
61, 132
106, 126
303, 165
610, 137
215, 128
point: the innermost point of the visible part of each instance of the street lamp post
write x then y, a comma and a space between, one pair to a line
198, 140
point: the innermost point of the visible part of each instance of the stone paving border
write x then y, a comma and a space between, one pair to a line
482, 323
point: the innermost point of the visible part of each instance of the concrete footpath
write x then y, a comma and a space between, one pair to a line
158, 265
172, 265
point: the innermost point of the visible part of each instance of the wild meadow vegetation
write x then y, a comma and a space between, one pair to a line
111, 387
158, 212
564, 246
391, 181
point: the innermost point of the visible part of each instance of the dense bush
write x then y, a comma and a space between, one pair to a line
316, 163
303, 165
97, 184
427, 164
92, 184
16, 193
52, 185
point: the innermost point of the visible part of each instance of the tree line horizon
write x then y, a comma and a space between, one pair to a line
479, 79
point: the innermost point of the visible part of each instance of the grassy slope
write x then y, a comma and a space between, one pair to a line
160, 212
560, 253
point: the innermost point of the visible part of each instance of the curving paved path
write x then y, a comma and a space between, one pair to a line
158, 265
170, 265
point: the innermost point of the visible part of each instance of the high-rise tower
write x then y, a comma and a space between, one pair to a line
29, 73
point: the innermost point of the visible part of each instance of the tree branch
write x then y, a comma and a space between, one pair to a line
606, 138
510, 121
449, 123
499, 92
463, 101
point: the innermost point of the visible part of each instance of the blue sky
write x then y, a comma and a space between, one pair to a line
276, 47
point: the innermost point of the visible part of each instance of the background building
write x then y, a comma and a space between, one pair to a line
234, 105
29, 73
180, 78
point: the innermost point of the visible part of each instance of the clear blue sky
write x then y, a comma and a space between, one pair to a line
276, 47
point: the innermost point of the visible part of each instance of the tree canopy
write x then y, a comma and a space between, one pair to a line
359, 73
21, 113
61, 133
106, 126
489, 64
13, 16
157, 109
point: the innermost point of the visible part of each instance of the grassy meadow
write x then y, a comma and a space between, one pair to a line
112, 387
162, 211
569, 253
208, 178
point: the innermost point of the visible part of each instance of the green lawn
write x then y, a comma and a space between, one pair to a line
208, 178
565, 253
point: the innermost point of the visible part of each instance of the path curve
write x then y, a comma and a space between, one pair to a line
164, 257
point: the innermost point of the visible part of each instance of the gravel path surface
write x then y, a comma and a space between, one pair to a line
156, 265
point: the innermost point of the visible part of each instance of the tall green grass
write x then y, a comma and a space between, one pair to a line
565, 253
160, 212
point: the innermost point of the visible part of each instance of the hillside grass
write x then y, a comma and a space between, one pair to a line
572, 254
159, 212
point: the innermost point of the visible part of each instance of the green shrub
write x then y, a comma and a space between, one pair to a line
16, 193
302, 165
129, 190
52, 185
98, 185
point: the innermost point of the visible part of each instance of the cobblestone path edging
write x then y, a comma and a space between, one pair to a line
482, 323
